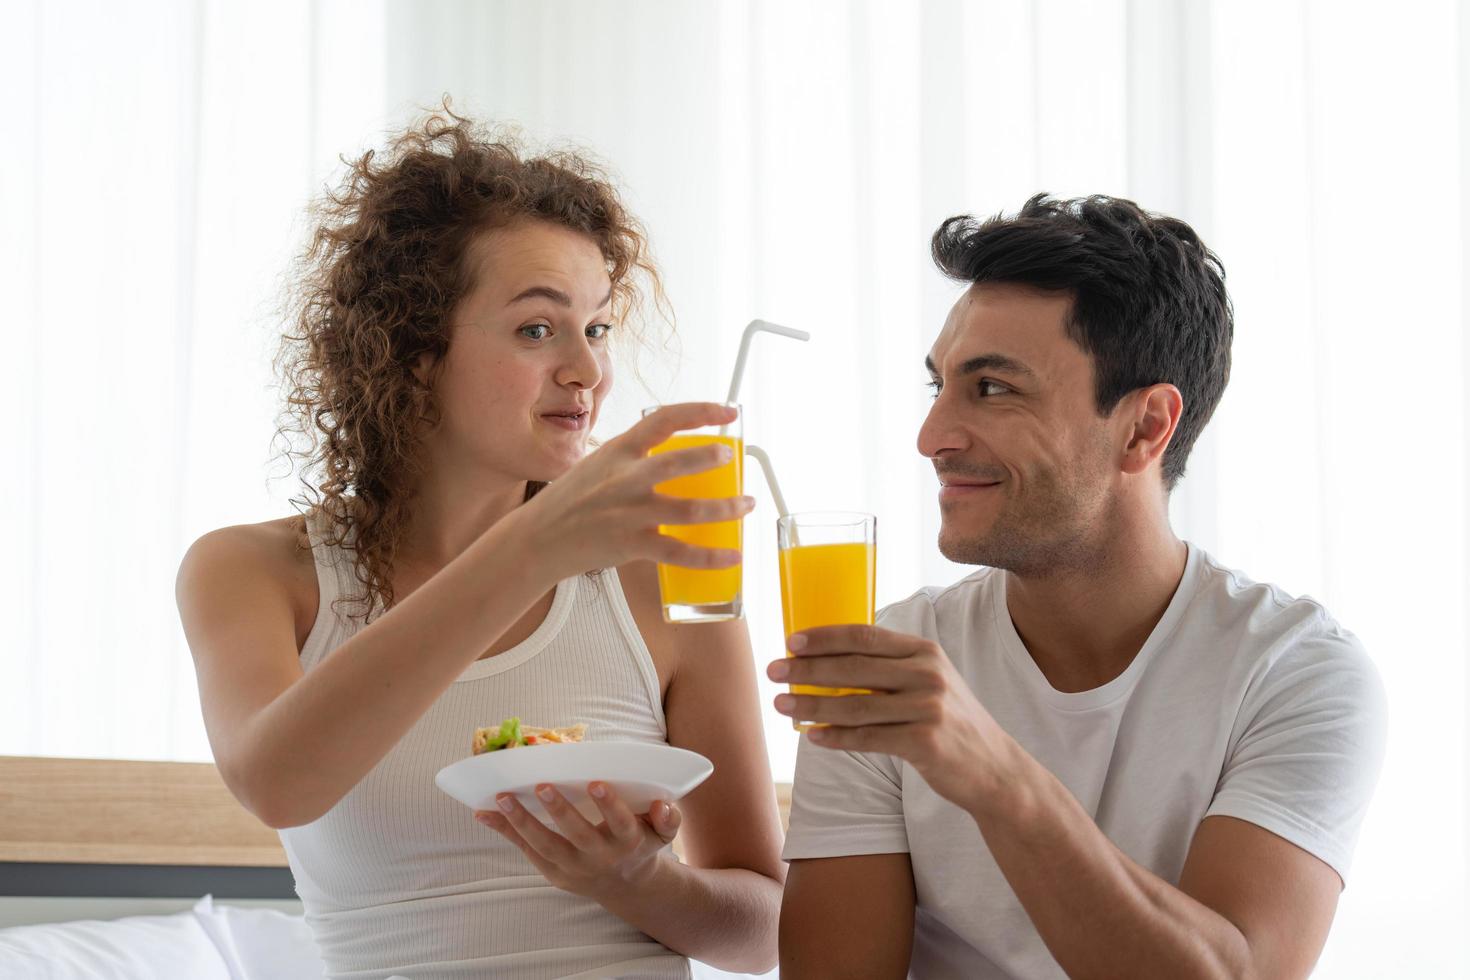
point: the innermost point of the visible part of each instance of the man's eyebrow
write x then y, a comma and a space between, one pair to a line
555, 295
986, 362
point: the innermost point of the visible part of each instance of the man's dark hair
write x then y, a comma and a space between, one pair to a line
1148, 298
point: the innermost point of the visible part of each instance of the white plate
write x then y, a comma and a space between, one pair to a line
640, 772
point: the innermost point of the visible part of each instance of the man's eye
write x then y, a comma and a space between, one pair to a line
535, 331
988, 388
599, 331
934, 387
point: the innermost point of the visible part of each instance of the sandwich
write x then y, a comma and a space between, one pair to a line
511, 734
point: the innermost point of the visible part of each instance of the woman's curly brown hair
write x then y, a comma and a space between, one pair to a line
384, 270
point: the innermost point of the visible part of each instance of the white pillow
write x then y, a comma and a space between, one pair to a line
138, 947
261, 944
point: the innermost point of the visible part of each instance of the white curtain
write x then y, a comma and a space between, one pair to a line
790, 160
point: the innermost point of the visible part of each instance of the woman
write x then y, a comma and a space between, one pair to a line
463, 559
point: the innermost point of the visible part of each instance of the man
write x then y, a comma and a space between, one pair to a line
1103, 754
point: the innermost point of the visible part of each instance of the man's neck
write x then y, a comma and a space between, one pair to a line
1084, 625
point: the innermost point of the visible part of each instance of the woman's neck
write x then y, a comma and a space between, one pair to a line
451, 509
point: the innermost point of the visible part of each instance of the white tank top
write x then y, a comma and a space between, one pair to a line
399, 879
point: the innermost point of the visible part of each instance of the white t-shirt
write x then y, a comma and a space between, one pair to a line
1243, 702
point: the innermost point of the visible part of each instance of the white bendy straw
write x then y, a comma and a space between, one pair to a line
751, 329
759, 454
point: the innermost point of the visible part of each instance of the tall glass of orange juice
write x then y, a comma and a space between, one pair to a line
829, 565
704, 595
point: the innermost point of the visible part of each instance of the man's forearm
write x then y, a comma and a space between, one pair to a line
726, 917
1099, 912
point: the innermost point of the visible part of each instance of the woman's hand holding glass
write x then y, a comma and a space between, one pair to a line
598, 861
605, 511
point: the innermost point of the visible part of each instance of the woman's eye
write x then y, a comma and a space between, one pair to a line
535, 331
599, 331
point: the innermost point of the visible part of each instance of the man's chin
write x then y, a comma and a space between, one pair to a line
963, 547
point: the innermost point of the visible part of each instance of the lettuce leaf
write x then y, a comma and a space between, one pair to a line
508, 736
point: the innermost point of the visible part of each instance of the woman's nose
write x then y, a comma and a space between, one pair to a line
581, 368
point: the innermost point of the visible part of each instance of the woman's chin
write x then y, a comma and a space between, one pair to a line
538, 461
554, 465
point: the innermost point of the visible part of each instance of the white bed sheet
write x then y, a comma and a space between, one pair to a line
164, 947
208, 942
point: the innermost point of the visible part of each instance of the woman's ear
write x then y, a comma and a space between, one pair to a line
423, 369
1155, 414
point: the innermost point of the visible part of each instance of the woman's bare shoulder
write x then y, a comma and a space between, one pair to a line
639, 580
274, 546
277, 552
640, 583
706, 643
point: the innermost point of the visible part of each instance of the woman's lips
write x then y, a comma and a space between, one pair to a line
569, 421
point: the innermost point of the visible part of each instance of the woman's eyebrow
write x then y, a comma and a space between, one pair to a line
553, 294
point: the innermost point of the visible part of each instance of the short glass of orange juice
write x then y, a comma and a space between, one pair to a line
829, 564
704, 595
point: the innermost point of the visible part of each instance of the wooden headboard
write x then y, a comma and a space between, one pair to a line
98, 811
100, 827
96, 827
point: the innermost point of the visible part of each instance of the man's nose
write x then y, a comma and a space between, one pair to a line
942, 432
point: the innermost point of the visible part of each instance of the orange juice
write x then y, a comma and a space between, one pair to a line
827, 585
700, 588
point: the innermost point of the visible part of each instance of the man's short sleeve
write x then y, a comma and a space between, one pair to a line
1308, 748
845, 803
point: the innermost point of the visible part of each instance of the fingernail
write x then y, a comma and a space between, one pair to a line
505, 803
726, 454
778, 671
795, 642
545, 793
663, 812
598, 790
784, 703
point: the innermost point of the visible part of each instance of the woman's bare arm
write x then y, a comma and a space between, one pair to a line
290, 745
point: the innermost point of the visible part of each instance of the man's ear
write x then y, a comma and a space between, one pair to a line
1152, 415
